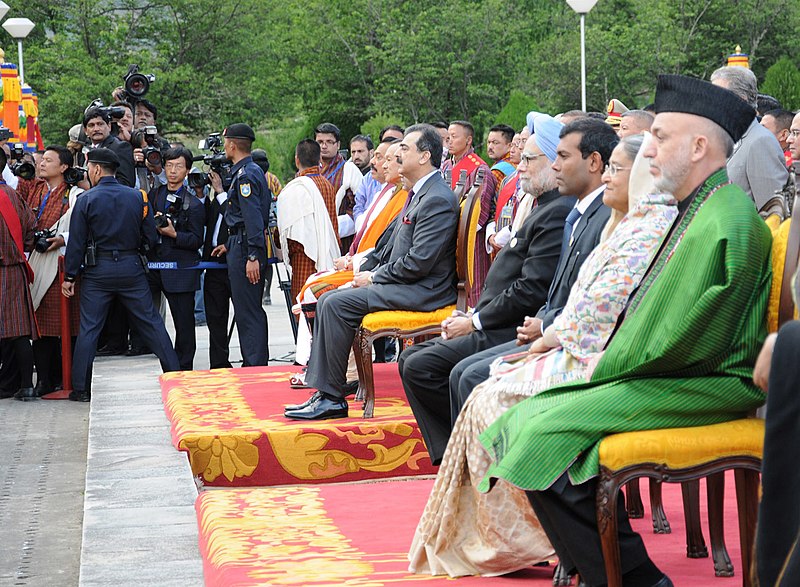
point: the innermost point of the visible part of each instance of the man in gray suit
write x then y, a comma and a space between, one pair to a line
416, 272
581, 157
757, 164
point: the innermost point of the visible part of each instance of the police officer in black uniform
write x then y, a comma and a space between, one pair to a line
109, 224
247, 216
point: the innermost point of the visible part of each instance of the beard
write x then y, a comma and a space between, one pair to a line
541, 182
674, 172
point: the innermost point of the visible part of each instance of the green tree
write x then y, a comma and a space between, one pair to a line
783, 82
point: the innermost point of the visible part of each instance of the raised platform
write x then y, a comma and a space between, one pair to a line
231, 423
359, 534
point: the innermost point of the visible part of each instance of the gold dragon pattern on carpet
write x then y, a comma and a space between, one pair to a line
224, 436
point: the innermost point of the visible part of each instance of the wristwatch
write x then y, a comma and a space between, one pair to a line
252, 258
69, 278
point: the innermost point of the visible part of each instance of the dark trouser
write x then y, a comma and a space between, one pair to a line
251, 321
217, 297
568, 516
470, 372
339, 314
18, 350
115, 333
181, 306
47, 357
779, 513
123, 279
425, 371
9, 370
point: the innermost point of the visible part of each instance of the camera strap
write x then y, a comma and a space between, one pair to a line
42, 205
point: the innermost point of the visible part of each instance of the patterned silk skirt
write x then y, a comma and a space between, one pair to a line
16, 305
463, 531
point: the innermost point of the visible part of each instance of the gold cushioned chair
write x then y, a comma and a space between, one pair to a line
686, 455
409, 324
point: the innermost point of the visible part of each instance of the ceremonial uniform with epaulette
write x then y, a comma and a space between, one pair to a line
247, 216
109, 224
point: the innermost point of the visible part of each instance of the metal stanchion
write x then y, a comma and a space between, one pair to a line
66, 343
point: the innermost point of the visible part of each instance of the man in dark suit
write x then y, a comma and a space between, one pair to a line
179, 218
516, 285
583, 151
417, 272
216, 285
97, 126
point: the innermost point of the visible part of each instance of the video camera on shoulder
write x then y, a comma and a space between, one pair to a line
216, 160
137, 84
19, 167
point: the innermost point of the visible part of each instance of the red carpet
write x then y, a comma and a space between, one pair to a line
231, 423
358, 535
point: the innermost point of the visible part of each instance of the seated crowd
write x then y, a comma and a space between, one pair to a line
621, 280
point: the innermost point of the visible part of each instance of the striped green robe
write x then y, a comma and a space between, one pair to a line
683, 355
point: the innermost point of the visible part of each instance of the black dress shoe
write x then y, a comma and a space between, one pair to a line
108, 351
322, 408
43, 388
664, 582
7, 393
26, 394
350, 388
137, 351
80, 396
314, 397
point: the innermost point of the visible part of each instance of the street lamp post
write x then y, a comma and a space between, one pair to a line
19, 28
582, 7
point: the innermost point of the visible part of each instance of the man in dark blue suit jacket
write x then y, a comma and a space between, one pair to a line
180, 220
581, 156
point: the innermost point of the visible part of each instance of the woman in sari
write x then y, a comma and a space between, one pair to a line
464, 532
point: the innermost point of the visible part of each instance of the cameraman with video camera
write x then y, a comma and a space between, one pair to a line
51, 196
180, 220
97, 126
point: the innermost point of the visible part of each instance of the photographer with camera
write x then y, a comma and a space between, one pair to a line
147, 158
180, 219
97, 126
124, 124
50, 196
109, 227
247, 216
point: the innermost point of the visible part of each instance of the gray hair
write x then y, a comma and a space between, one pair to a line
631, 145
741, 81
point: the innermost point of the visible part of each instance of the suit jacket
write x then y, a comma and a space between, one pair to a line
520, 277
418, 270
184, 248
126, 173
584, 240
757, 164
214, 211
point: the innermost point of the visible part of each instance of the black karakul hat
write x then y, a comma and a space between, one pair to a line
239, 131
689, 95
102, 155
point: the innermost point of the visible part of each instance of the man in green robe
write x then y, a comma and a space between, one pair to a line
684, 348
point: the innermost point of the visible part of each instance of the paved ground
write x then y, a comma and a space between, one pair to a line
137, 491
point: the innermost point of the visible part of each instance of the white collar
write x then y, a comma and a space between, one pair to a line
583, 205
421, 182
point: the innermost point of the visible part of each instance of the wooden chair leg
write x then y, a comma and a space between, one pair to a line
361, 391
633, 499
715, 486
367, 382
660, 522
695, 544
747, 504
607, 493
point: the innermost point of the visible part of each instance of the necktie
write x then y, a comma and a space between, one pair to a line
572, 218
405, 206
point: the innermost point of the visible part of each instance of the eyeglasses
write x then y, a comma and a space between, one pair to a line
612, 169
327, 142
527, 157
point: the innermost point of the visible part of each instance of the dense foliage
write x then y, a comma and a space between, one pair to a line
284, 66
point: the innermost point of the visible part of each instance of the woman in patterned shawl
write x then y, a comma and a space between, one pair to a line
464, 532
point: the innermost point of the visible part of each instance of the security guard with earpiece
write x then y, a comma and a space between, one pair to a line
109, 225
247, 216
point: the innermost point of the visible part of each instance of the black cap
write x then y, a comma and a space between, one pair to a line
104, 156
239, 131
679, 93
